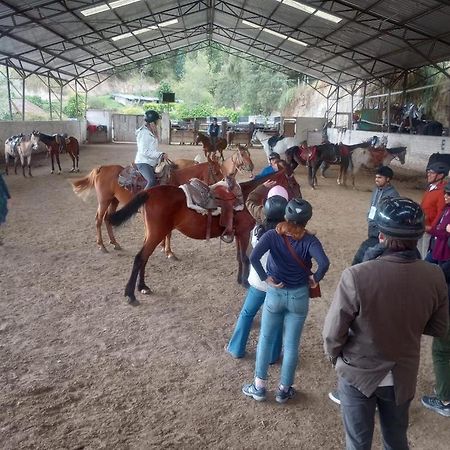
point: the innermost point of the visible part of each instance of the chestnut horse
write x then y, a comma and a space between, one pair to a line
165, 210
109, 193
221, 144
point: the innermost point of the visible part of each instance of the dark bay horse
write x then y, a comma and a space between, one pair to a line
165, 210
221, 144
57, 144
109, 193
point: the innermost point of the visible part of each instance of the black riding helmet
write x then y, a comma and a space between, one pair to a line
438, 167
400, 218
274, 208
298, 211
151, 116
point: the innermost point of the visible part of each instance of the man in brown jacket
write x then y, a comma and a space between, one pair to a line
373, 328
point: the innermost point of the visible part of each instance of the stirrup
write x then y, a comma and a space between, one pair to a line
227, 238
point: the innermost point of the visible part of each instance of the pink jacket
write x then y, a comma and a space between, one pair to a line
441, 250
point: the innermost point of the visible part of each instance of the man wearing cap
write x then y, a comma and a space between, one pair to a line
274, 159
372, 331
383, 189
148, 156
432, 201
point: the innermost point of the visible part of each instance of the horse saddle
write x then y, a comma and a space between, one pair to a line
163, 171
273, 140
221, 198
62, 140
131, 179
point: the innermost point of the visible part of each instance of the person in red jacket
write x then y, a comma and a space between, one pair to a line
432, 202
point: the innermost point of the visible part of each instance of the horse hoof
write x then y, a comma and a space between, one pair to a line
172, 257
145, 290
116, 246
52, 172
102, 248
133, 301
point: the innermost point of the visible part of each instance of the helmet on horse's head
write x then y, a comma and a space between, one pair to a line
298, 211
151, 116
437, 167
274, 207
278, 190
400, 218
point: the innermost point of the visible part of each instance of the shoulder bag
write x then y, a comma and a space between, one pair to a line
314, 292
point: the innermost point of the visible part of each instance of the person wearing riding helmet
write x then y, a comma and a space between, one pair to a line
287, 299
372, 331
148, 156
432, 202
274, 159
267, 214
440, 254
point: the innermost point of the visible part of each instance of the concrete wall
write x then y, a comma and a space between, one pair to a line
418, 147
75, 128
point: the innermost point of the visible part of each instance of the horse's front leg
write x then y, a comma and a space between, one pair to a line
72, 157
242, 259
140, 261
29, 165
58, 162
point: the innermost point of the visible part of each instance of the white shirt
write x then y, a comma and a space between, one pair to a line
147, 144
253, 277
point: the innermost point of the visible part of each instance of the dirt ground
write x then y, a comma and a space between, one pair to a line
80, 369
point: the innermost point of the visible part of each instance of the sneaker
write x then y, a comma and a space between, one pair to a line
334, 396
436, 405
283, 396
257, 394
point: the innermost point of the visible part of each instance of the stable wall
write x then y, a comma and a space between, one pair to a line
418, 147
75, 128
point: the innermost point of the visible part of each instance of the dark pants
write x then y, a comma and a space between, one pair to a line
365, 245
148, 172
358, 415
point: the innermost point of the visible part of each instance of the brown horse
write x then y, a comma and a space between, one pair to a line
56, 144
109, 193
165, 210
221, 144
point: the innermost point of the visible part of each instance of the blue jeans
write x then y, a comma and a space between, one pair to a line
252, 303
284, 310
358, 415
148, 172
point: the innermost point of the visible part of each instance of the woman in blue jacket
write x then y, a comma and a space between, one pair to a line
287, 298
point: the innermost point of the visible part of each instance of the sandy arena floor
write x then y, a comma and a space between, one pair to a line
80, 369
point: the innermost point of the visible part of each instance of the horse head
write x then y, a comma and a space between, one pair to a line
244, 160
395, 152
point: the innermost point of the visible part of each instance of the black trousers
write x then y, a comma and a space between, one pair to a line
358, 415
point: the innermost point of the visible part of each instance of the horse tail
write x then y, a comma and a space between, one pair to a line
86, 183
131, 208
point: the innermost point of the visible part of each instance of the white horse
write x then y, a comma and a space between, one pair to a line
25, 148
374, 157
12, 151
281, 146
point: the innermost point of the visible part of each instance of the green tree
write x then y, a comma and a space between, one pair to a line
75, 107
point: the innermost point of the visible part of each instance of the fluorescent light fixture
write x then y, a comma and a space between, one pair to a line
144, 30
275, 33
106, 7
310, 10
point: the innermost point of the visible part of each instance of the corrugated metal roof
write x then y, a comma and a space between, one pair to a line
373, 38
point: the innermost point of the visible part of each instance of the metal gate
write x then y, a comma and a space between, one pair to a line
124, 127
